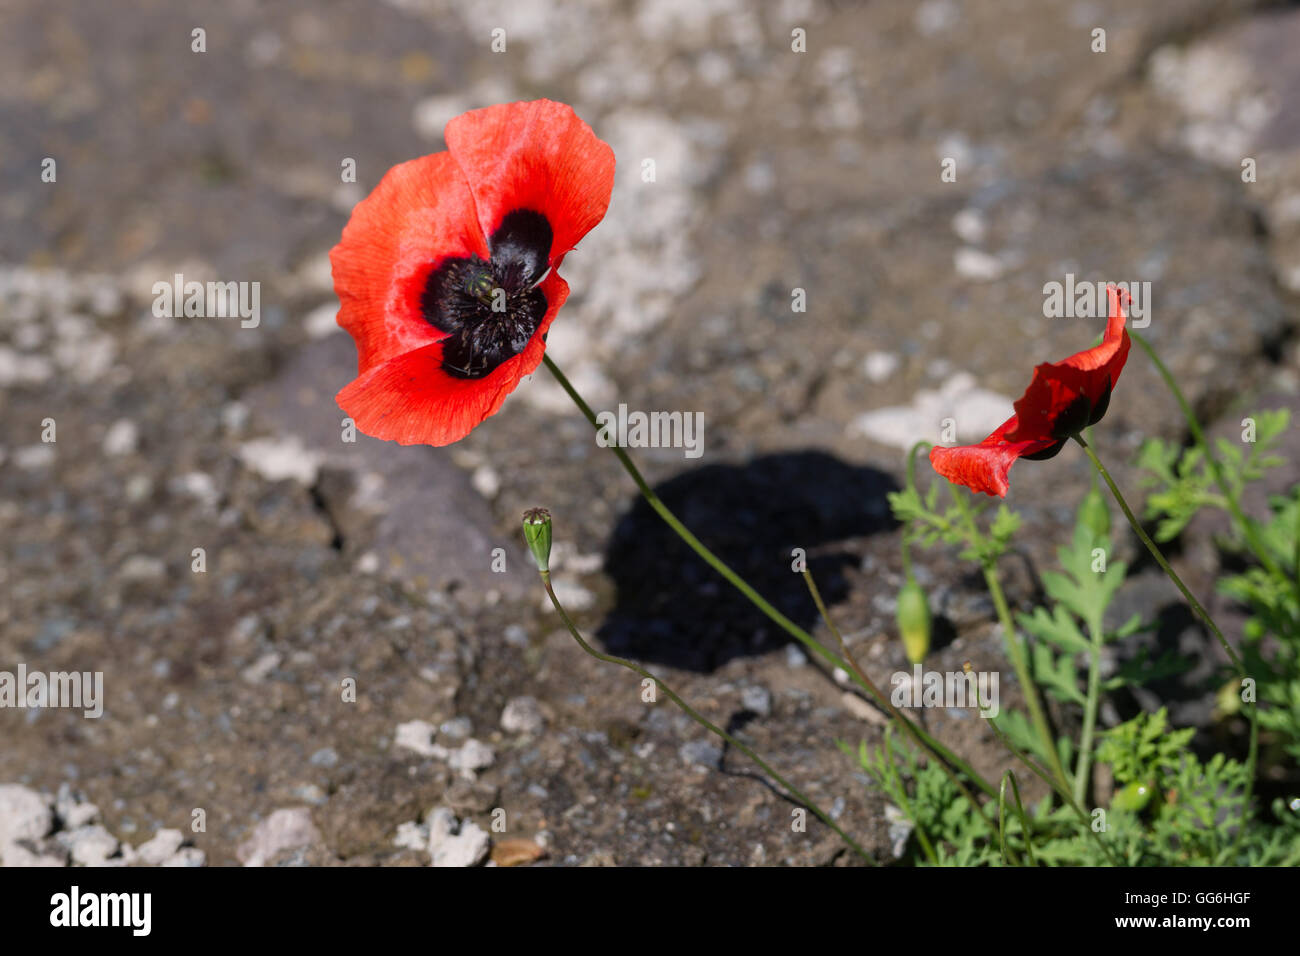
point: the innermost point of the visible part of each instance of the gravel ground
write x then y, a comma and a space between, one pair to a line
347, 679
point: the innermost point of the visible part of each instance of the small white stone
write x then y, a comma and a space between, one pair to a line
486, 481
121, 437
165, 843
198, 485
977, 265
278, 458
756, 699
473, 755
412, 836
186, 856
523, 715
260, 669
879, 366
320, 321
24, 814
17, 854
32, 457
90, 845
417, 735
18, 369
453, 843
142, 567
285, 829
969, 226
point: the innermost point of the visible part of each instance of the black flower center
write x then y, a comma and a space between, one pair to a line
490, 308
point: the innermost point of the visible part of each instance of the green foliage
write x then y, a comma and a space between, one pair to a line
1273, 598
1191, 818
1169, 807
1181, 481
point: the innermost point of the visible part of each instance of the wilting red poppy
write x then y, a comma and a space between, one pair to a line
446, 273
1060, 402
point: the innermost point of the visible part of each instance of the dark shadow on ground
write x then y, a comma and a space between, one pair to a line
674, 609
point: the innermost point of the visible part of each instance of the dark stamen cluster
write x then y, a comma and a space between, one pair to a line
491, 308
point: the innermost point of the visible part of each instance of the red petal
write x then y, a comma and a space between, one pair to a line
1092, 372
420, 213
984, 467
409, 399
537, 156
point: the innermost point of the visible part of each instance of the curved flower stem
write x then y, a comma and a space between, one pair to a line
1084, 764
1020, 811
1043, 775
1160, 558
1017, 651
736, 581
880, 695
698, 718
1232, 502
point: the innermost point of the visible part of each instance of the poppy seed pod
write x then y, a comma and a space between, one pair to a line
914, 620
537, 532
1133, 798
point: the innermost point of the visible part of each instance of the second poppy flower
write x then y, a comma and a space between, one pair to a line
1063, 398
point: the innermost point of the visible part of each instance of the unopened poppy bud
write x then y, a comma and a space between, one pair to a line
914, 620
1228, 700
1094, 515
537, 532
1133, 798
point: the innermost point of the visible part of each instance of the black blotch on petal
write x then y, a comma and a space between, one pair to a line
1103, 403
521, 245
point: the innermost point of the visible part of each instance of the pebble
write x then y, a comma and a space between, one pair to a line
32, 457
285, 829
165, 843
121, 438
473, 755
703, 753
325, 757
417, 735
276, 459
73, 811
320, 321
88, 845
142, 567
24, 814
523, 715
977, 265
19, 854
757, 700
186, 856
455, 843
458, 728
412, 836
880, 366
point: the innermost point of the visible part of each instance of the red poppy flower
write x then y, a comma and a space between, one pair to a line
1060, 402
446, 273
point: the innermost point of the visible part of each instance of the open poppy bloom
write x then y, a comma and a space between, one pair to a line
446, 273
1063, 398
